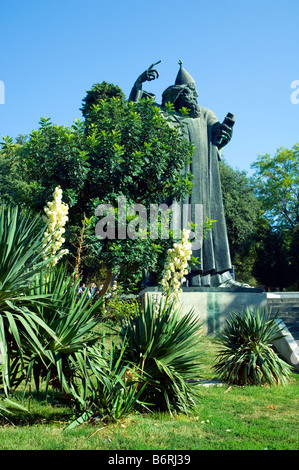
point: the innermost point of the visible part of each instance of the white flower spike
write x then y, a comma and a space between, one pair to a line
56, 218
176, 268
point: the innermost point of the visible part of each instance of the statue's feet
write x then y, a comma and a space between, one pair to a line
233, 283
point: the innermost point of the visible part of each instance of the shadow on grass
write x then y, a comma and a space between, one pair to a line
41, 409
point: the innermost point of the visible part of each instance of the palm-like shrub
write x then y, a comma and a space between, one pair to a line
45, 330
246, 354
75, 323
161, 343
20, 261
114, 391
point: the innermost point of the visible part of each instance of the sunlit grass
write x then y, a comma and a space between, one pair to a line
250, 417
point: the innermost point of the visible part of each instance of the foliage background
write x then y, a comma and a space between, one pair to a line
121, 149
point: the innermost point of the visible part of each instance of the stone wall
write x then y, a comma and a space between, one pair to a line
214, 305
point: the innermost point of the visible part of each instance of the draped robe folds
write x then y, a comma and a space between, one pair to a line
214, 262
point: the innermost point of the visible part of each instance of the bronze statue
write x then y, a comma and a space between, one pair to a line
209, 137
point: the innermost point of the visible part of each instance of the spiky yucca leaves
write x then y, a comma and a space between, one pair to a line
20, 260
162, 345
115, 392
75, 322
246, 354
20, 249
9, 407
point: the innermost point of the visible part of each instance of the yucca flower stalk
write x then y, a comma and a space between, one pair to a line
176, 268
56, 218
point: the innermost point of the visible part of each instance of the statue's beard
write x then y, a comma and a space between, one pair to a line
194, 110
191, 105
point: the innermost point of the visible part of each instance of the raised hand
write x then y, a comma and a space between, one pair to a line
149, 74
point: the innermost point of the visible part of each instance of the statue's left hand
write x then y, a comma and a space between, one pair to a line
222, 135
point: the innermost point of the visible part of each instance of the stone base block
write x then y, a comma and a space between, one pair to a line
287, 346
213, 305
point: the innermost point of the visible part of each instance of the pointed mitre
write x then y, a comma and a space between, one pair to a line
183, 77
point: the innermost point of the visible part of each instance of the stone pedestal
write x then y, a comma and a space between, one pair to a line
213, 305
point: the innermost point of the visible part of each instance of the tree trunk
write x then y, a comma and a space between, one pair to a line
106, 284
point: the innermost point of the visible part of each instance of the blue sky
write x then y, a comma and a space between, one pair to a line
243, 56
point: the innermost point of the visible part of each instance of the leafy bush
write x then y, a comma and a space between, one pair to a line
119, 305
246, 355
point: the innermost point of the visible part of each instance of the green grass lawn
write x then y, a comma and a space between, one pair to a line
226, 418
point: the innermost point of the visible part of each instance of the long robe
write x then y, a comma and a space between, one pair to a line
214, 256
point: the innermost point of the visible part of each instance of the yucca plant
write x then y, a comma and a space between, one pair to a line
115, 391
161, 342
20, 260
246, 355
75, 322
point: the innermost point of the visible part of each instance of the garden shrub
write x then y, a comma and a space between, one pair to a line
246, 355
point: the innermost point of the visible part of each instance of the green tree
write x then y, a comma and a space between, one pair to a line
273, 265
35, 165
277, 186
99, 91
121, 149
242, 210
134, 153
13, 188
294, 254
56, 156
